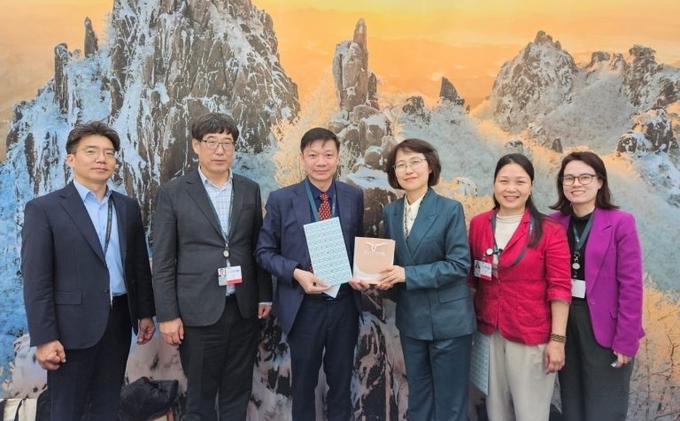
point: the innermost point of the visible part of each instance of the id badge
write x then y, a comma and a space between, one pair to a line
578, 288
229, 275
482, 270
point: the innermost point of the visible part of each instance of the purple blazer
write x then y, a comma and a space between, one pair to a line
613, 275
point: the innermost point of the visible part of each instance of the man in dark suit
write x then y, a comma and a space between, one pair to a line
87, 281
209, 291
317, 325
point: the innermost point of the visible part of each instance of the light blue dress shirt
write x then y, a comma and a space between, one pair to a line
98, 212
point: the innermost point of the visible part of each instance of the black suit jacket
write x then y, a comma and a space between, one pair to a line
188, 246
66, 282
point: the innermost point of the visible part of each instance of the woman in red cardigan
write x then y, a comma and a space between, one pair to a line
523, 290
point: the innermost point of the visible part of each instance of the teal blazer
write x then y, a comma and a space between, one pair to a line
435, 302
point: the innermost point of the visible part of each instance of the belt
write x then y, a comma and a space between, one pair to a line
345, 291
118, 300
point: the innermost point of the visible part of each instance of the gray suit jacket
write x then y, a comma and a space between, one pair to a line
188, 246
435, 302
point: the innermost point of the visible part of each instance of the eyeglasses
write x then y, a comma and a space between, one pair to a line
584, 179
212, 145
93, 152
413, 163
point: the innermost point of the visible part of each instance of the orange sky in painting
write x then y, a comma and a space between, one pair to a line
417, 42
411, 43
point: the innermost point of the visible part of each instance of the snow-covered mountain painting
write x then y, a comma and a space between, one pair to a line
161, 64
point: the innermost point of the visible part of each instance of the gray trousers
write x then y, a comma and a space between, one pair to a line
590, 388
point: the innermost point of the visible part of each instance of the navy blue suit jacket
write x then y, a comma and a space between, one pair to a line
282, 246
66, 281
435, 302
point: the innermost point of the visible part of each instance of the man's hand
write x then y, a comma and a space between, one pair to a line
146, 330
50, 355
172, 331
263, 310
309, 282
359, 285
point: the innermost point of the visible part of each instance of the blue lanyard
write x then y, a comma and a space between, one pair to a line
312, 203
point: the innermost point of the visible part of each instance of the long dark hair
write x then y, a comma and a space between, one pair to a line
602, 200
536, 216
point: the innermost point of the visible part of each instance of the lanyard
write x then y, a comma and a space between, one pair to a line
497, 251
312, 203
579, 240
107, 238
109, 217
225, 235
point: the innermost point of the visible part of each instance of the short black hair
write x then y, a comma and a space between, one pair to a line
214, 123
318, 133
414, 145
92, 128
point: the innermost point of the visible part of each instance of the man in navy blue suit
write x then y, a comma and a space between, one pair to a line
318, 326
87, 281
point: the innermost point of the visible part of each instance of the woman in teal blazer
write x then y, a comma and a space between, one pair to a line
435, 315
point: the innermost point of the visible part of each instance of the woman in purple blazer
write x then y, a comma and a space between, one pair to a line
605, 319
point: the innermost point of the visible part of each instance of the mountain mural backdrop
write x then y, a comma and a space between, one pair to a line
165, 63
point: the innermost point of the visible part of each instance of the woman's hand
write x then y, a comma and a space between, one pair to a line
553, 357
390, 276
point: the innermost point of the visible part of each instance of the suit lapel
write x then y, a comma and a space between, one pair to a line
237, 185
303, 212
427, 214
75, 208
121, 217
197, 192
596, 246
345, 210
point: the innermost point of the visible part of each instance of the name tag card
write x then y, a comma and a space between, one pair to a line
229, 275
483, 270
578, 288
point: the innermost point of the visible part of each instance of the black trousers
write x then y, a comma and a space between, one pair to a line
591, 390
219, 360
87, 386
323, 331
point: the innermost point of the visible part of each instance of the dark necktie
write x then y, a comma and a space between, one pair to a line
325, 207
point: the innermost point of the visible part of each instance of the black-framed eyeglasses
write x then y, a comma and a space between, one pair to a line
212, 144
583, 179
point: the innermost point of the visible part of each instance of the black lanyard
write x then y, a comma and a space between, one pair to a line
312, 203
109, 218
497, 251
579, 241
225, 235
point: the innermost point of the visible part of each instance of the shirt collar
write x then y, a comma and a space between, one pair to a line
316, 192
84, 192
207, 182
